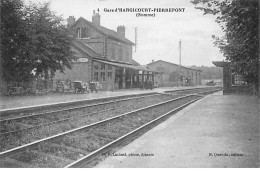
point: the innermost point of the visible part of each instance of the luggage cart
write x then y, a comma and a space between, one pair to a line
93, 86
79, 87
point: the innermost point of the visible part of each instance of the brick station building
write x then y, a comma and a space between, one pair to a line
104, 56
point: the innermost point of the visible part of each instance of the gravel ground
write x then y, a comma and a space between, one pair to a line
95, 137
13, 140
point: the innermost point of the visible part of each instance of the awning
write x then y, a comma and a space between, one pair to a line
220, 63
135, 67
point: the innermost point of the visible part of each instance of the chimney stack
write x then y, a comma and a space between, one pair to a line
121, 31
96, 18
71, 20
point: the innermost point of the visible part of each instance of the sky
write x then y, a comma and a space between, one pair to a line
159, 36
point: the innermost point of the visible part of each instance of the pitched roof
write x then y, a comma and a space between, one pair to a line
86, 49
174, 64
134, 62
106, 31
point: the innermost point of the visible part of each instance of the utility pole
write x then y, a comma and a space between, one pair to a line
136, 38
180, 73
180, 51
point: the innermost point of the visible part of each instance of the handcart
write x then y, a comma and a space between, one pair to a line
79, 87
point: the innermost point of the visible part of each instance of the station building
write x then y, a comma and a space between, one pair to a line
104, 56
170, 74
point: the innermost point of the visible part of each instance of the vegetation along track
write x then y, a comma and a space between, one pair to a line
62, 149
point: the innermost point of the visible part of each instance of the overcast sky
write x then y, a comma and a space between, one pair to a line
158, 36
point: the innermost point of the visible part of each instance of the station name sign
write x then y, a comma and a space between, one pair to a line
82, 60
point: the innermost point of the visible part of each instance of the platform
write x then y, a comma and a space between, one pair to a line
10, 102
217, 131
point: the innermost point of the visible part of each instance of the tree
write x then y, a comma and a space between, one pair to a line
13, 40
34, 41
209, 72
49, 43
240, 44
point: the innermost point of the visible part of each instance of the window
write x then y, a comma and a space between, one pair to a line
109, 67
113, 53
96, 76
120, 54
96, 66
102, 66
127, 56
109, 76
103, 76
140, 78
87, 32
84, 32
135, 78
79, 32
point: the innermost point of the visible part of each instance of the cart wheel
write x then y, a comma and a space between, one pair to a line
28, 91
10, 92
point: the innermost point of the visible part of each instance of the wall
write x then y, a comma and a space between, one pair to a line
116, 45
97, 44
107, 84
170, 74
93, 33
93, 37
79, 71
103, 45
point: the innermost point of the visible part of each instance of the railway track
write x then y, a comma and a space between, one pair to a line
32, 121
76, 146
70, 148
63, 106
80, 118
55, 116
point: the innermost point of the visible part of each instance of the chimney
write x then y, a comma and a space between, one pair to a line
121, 31
96, 18
71, 20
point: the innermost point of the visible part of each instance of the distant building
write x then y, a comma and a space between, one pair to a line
103, 55
174, 75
